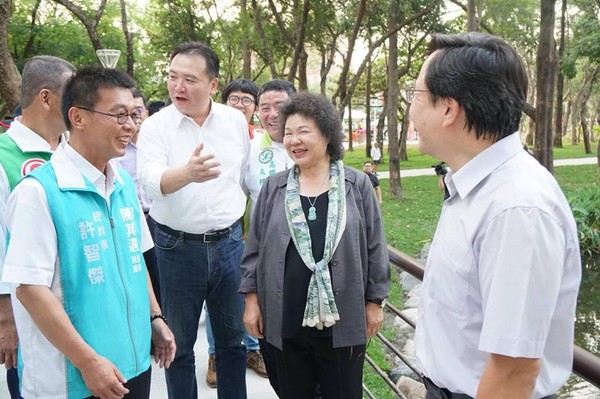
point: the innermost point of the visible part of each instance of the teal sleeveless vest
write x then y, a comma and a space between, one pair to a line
102, 272
17, 163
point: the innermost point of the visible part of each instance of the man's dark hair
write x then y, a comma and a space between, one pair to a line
367, 162
201, 49
277, 85
485, 75
155, 106
82, 89
326, 117
43, 72
244, 85
138, 94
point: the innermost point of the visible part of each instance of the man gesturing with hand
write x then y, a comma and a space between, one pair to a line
192, 156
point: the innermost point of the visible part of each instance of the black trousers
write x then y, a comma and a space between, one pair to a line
139, 387
307, 362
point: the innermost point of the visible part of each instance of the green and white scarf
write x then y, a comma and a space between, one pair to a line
320, 310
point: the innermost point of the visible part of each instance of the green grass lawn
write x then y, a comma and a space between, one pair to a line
416, 160
410, 222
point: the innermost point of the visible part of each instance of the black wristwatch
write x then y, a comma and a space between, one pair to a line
158, 316
380, 302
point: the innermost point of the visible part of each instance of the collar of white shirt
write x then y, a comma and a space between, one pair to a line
66, 161
476, 170
28, 140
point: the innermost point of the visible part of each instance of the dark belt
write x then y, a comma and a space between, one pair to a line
442, 393
208, 237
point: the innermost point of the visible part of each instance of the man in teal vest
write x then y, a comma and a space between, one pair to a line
27, 144
85, 311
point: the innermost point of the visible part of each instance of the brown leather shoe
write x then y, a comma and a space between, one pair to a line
254, 361
211, 372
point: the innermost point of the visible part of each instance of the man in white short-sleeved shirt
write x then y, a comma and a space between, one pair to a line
497, 307
85, 311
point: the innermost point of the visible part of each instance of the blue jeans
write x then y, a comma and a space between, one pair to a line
190, 273
249, 342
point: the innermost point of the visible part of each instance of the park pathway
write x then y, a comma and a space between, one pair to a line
431, 172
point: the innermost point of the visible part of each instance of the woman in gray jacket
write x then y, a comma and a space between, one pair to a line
315, 270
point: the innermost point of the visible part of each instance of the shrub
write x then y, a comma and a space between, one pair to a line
585, 203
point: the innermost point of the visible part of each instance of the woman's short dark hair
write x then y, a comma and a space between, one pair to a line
319, 109
485, 75
244, 85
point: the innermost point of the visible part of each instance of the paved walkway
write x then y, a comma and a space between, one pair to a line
257, 387
431, 171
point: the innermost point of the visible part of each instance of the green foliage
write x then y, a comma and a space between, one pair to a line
410, 222
585, 204
586, 30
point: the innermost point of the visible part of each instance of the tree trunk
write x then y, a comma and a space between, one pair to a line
545, 86
381, 128
598, 153
392, 104
582, 100
303, 72
566, 118
90, 24
560, 81
246, 51
128, 38
29, 47
268, 56
472, 25
368, 134
403, 136
10, 84
344, 89
585, 129
299, 33
350, 132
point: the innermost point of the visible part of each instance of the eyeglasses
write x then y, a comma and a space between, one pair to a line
409, 94
122, 117
246, 101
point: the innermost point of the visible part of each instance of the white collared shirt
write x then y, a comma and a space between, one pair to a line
502, 274
27, 140
167, 140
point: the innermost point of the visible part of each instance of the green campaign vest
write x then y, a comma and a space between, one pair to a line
17, 163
